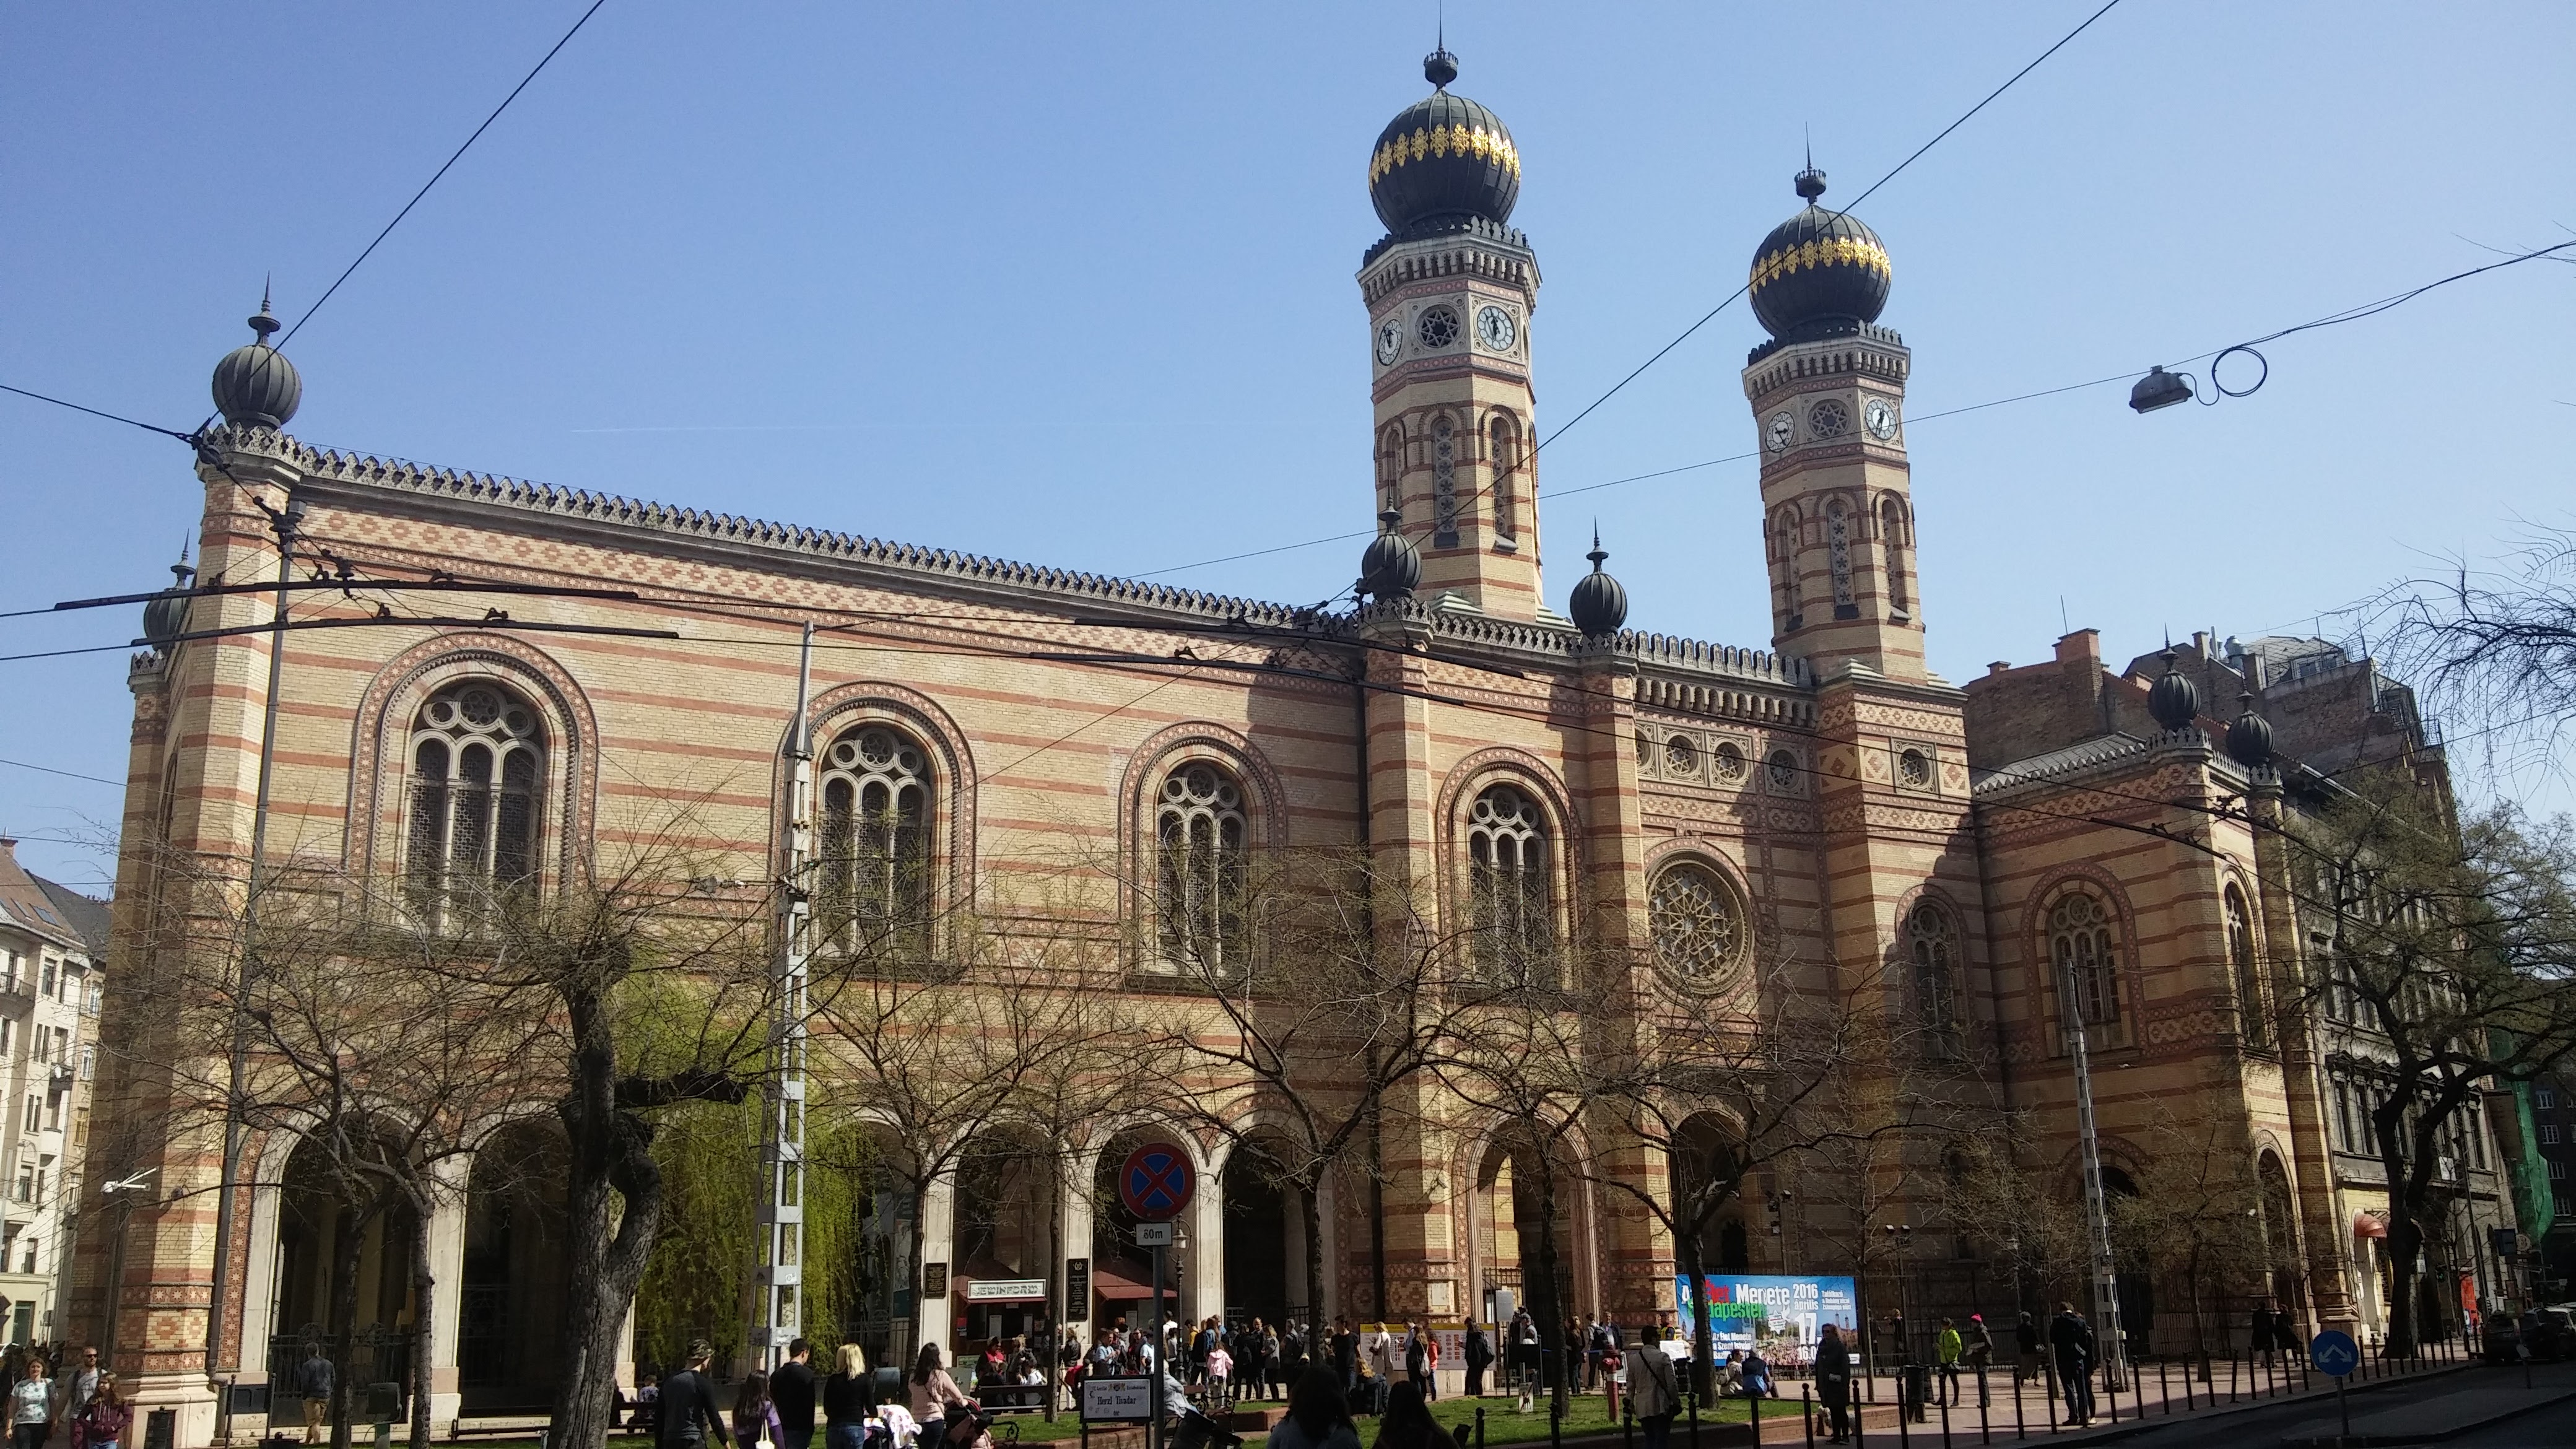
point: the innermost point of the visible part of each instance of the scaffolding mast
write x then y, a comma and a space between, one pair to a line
778, 1261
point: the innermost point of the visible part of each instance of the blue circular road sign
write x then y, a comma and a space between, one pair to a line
1156, 1182
2334, 1353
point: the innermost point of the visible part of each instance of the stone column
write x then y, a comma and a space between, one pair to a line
447, 1269
1075, 1227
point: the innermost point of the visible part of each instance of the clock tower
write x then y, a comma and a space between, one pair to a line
1450, 289
1828, 396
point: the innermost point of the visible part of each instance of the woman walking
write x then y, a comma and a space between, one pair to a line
755, 1418
932, 1389
102, 1425
1833, 1382
849, 1399
31, 1407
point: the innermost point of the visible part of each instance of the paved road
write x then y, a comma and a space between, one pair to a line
2553, 1427
2550, 1428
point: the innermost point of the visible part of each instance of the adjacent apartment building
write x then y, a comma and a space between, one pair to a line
53, 943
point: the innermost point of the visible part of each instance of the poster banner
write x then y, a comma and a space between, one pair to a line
1782, 1317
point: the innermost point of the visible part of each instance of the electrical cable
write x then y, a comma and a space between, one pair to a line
1845, 210
442, 171
66, 774
94, 412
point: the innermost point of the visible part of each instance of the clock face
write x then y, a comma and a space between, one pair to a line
1879, 416
1437, 327
1390, 341
1496, 329
1781, 431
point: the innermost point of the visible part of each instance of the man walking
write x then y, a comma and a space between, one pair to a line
1479, 1351
689, 1417
1654, 1392
2026, 1351
313, 1382
1945, 1354
2070, 1338
1981, 1356
791, 1393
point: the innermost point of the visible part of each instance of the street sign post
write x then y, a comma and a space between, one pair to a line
2336, 1356
1156, 1183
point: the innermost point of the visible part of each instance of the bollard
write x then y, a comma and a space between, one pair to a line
1694, 1418
1755, 1409
2021, 1421
1985, 1397
1904, 1416
1945, 1421
2049, 1367
1480, 1426
1626, 1427
1807, 1411
2231, 1376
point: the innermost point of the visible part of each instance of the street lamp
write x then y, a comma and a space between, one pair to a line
127, 1193
1900, 1238
2159, 389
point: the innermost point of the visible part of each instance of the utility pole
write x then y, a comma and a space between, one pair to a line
2097, 1214
778, 1264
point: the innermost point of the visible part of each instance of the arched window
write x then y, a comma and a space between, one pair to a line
1200, 834
1505, 445
2083, 945
1390, 469
1932, 942
1838, 550
1507, 869
1444, 481
2253, 1022
477, 755
1891, 537
1784, 564
1697, 922
873, 886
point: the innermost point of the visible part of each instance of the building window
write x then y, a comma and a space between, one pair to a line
1504, 440
874, 888
2557, 1169
1891, 536
1838, 551
1507, 868
2548, 1134
2251, 1018
477, 755
1932, 941
1784, 772
1444, 482
1200, 836
2545, 1099
1784, 565
2083, 947
26, 1191
34, 1117
1390, 469
2343, 1114
51, 966
1697, 923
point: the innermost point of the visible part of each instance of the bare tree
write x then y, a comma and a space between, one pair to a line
1764, 1079
1317, 995
2497, 647
2450, 965
2197, 1217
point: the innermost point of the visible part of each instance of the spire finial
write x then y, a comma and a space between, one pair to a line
1387, 520
1440, 67
265, 322
1811, 182
1598, 555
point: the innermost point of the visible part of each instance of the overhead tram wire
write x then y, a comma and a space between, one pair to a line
1705, 319
442, 171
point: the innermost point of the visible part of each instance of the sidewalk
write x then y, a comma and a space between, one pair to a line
2497, 1396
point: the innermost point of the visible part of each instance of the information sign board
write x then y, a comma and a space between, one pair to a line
1117, 1400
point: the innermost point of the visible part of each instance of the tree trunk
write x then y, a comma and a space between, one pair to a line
613, 1210
1552, 1325
347, 1247
1703, 1349
2405, 1251
1310, 1207
424, 1318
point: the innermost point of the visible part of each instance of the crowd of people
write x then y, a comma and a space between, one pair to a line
52, 1388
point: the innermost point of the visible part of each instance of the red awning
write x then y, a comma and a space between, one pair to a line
1124, 1278
2367, 1224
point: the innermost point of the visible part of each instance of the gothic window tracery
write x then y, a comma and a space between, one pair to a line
1201, 836
1509, 901
1504, 442
873, 889
1444, 481
1697, 923
2252, 1020
1891, 533
1932, 942
477, 755
2085, 948
1838, 550
1390, 469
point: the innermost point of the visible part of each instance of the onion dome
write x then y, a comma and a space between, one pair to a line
2171, 699
1443, 161
2249, 739
1820, 273
165, 617
255, 386
1391, 565
1600, 602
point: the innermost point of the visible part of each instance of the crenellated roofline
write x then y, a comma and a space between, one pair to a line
1694, 673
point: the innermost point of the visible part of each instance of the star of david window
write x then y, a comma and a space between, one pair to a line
1437, 327
1828, 419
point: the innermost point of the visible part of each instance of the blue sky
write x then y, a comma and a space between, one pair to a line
1073, 284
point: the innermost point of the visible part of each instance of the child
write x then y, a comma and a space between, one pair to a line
1220, 1371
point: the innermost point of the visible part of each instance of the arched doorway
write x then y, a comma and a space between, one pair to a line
861, 1239
1008, 1201
514, 1285
2281, 1240
1509, 1224
334, 1257
1265, 1240
2133, 1281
